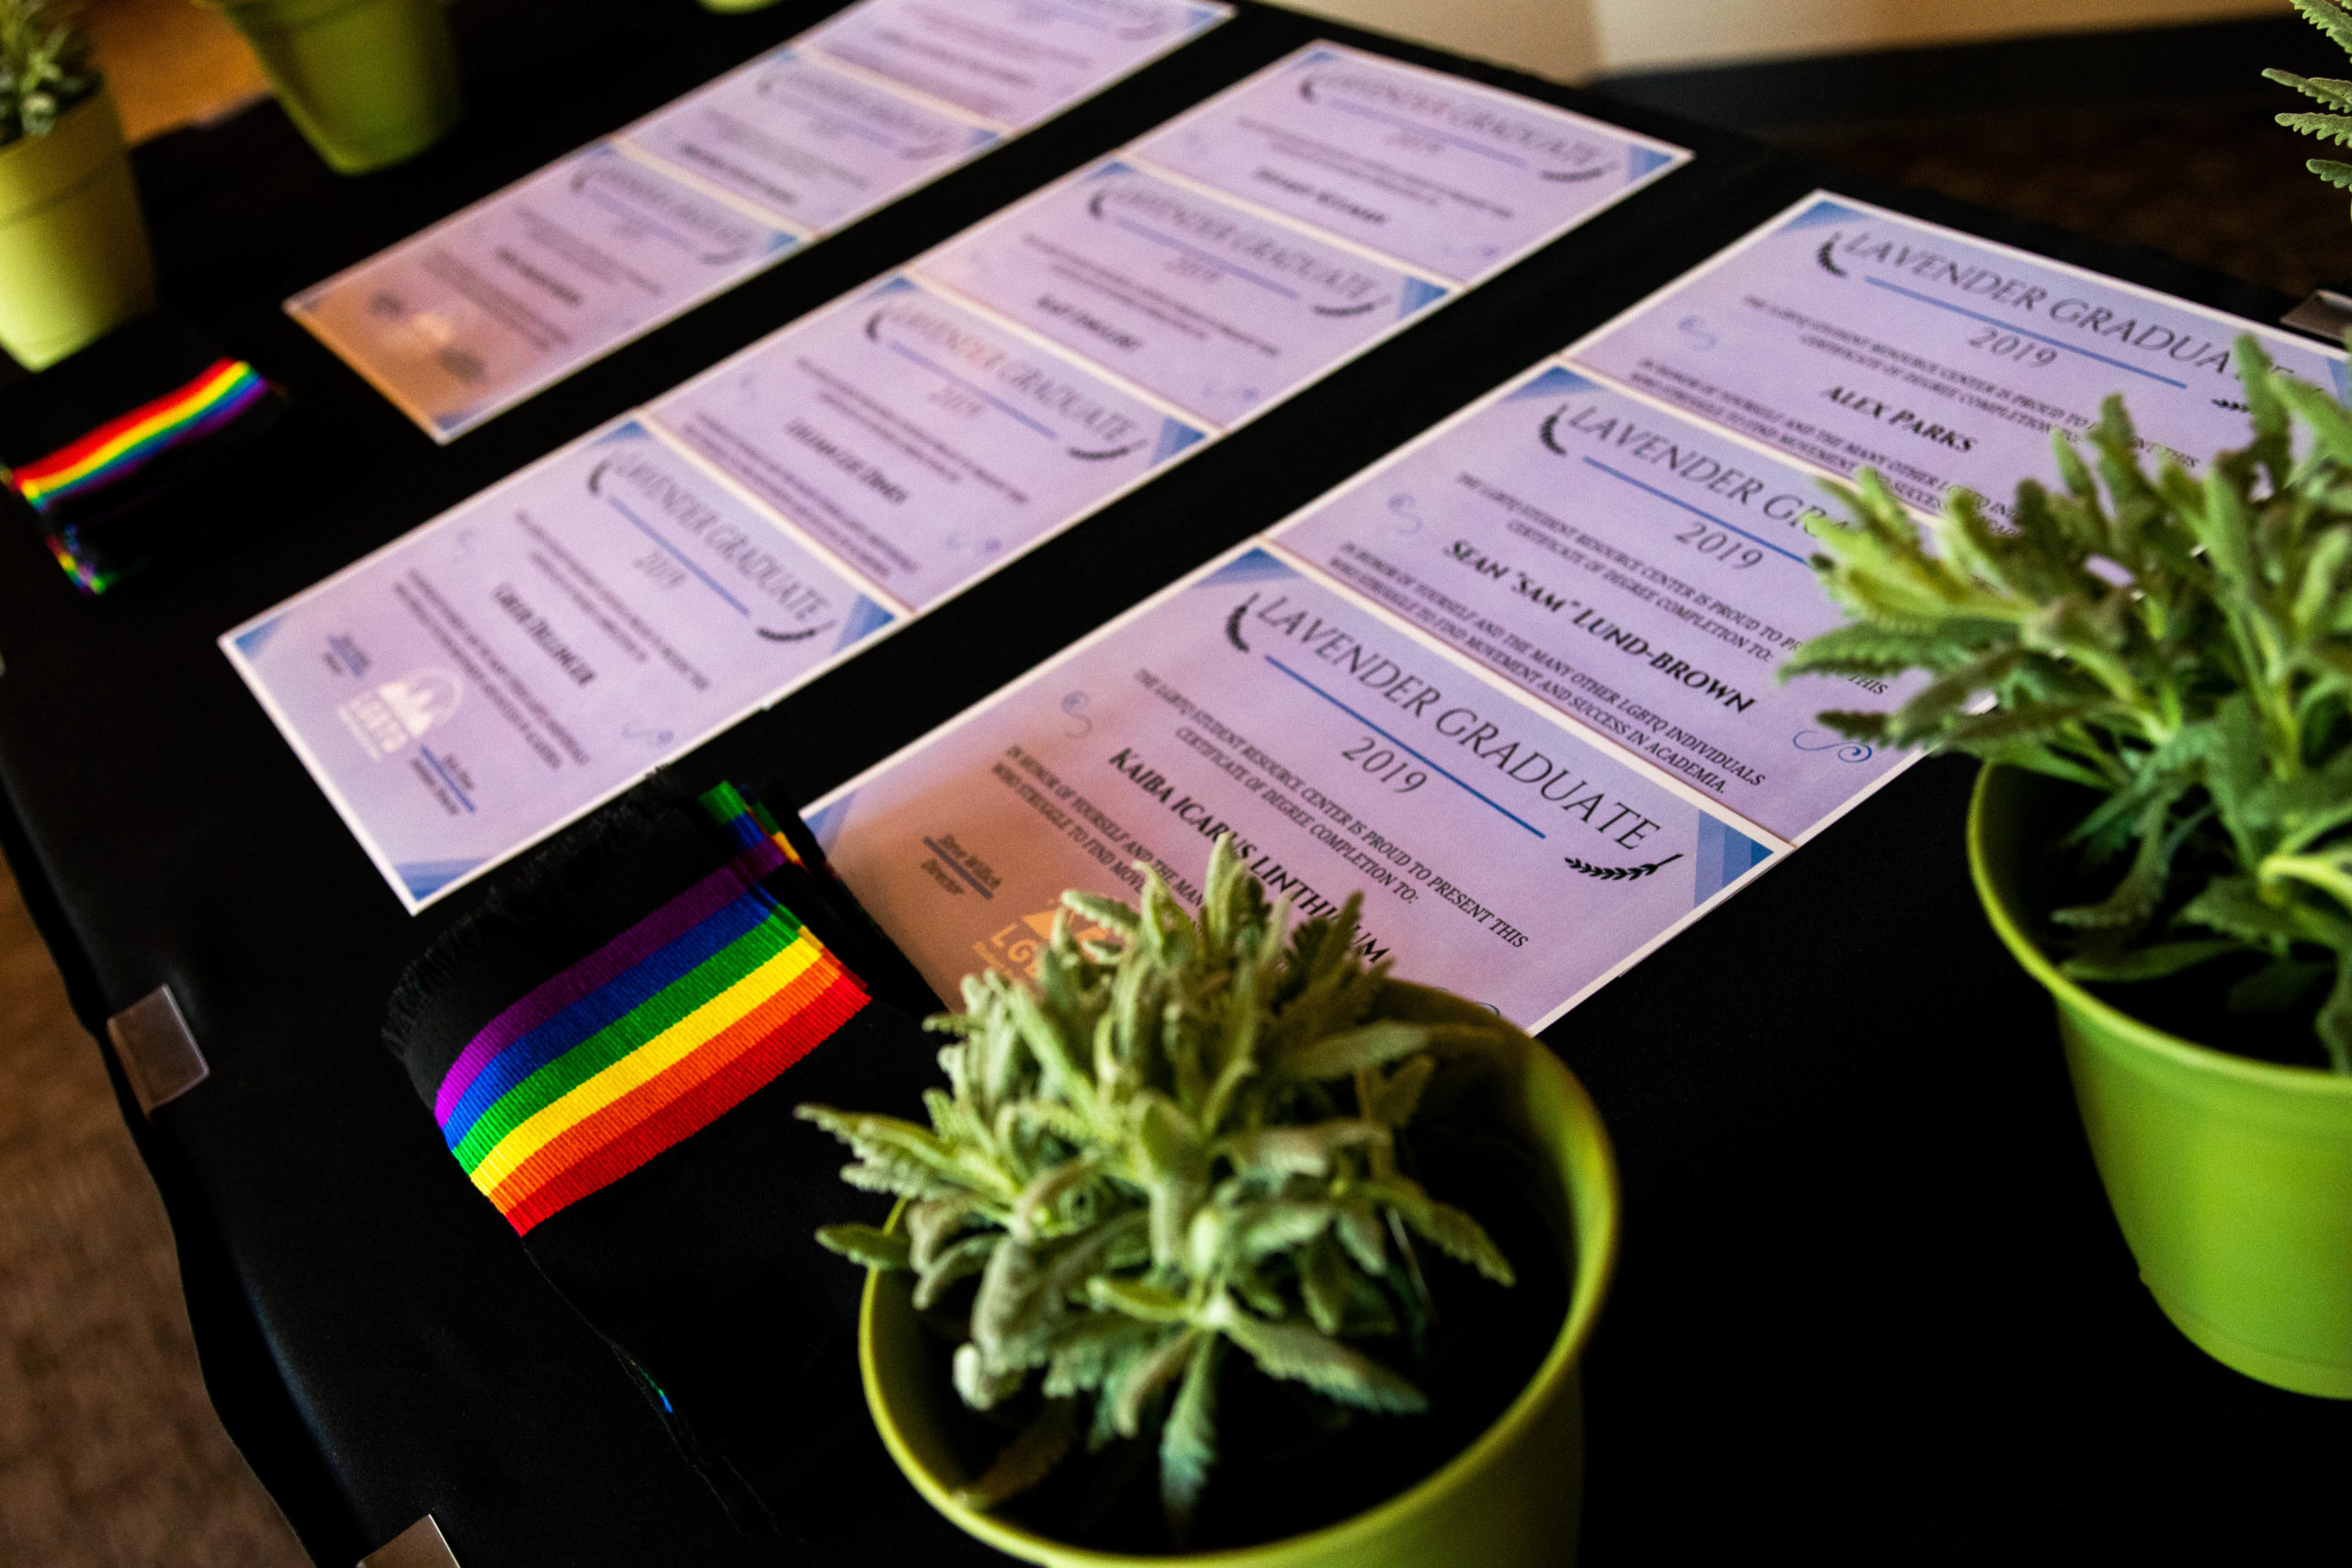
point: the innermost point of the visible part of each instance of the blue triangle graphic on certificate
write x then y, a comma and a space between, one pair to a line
628, 430
1725, 855
424, 878
1821, 214
826, 825
1418, 294
1640, 160
901, 284
864, 616
253, 639
1550, 384
1174, 437
1252, 565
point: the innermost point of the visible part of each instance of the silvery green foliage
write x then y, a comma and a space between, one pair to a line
2333, 19
2183, 646
1178, 1145
42, 73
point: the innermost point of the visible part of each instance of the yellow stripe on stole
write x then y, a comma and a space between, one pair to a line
648, 1062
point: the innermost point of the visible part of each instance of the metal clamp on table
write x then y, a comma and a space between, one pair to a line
158, 1052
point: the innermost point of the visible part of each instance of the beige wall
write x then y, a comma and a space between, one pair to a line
1551, 37
1573, 38
1641, 34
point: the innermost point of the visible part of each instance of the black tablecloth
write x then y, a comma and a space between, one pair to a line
1871, 1305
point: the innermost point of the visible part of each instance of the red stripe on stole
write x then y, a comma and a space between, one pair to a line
729, 1070
90, 441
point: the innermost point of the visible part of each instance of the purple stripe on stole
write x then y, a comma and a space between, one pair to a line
616, 958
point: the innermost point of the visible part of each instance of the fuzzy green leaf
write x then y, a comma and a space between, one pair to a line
1352, 1050
1027, 1460
865, 1244
1304, 1355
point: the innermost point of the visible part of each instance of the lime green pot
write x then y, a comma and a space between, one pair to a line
74, 256
2231, 1177
1511, 1499
368, 81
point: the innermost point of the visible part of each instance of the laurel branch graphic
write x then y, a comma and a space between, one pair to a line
1620, 873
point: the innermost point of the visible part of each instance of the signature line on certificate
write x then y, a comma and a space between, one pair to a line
2013, 327
1394, 741
1686, 506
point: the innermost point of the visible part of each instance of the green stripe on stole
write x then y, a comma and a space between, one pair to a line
679, 999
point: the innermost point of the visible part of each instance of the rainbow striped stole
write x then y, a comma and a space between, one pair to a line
647, 1040
226, 389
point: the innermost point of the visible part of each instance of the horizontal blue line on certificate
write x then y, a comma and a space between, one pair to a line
980, 392
1417, 128
1400, 745
2021, 331
1695, 511
674, 553
1204, 257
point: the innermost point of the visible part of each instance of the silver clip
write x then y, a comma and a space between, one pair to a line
419, 1545
2326, 314
158, 1054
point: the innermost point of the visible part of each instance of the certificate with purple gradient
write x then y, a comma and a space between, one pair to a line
813, 147
1444, 175
1501, 854
1011, 61
1638, 571
924, 445
1850, 337
524, 287
1218, 311
479, 682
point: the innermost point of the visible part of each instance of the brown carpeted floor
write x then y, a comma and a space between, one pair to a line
110, 1456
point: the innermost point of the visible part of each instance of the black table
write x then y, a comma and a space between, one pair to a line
1872, 1305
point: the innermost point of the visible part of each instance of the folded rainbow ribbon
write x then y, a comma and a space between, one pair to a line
122, 446
647, 1040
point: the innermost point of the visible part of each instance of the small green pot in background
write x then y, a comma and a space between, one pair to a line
725, 5
368, 81
2231, 1177
1512, 1499
74, 256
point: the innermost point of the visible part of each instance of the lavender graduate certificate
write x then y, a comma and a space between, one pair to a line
814, 148
923, 444
1638, 571
1441, 173
480, 681
1218, 311
1848, 336
1501, 855
1011, 62
524, 287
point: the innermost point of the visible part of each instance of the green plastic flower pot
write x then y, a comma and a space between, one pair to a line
2231, 1177
74, 256
368, 81
726, 5
1512, 1499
